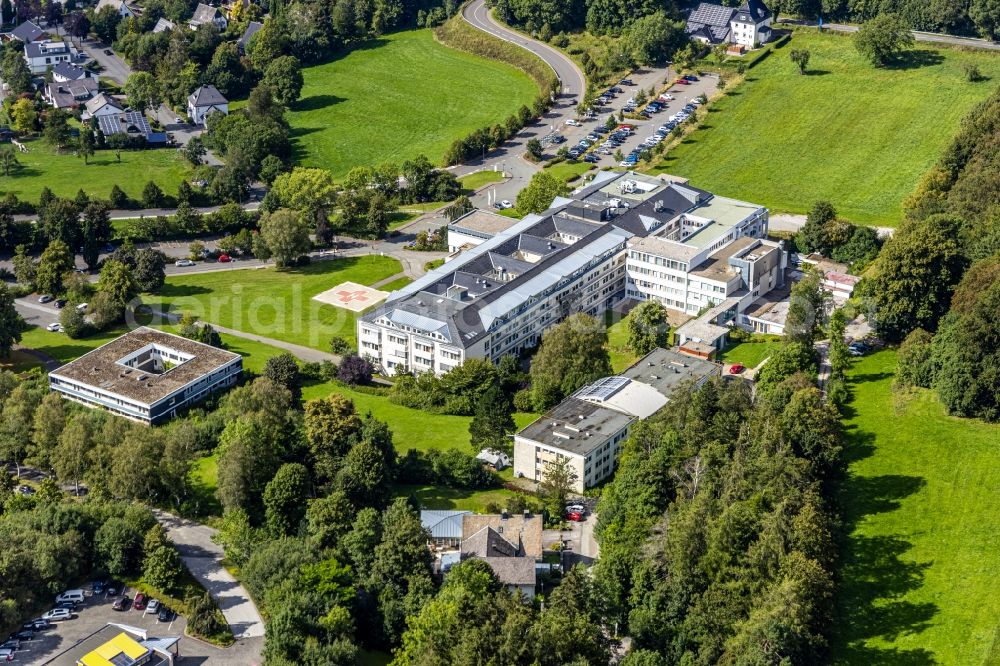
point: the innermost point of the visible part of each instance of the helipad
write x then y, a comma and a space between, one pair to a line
352, 296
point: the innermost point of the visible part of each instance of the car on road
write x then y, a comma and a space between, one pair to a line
38, 624
54, 327
574, 123
736, 368
183, 262
165, 614
82, 307
504, 205
46, 298
108, 52
121, 604
690, 77
558, 138
23, 635
224, 259
574, 516
140, 601
59, 303
57, 614
153, 606
179, 121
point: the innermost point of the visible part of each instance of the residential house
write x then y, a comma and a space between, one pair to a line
204, 14
130, 123
252, 29
70, 94
746, 26
510, 544
42, 55
589, 427
204, 101
29, 31
124, 8
101, 104
444, 526
163, 25
66, 71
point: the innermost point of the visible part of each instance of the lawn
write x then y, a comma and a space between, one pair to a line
440, 497
751, 353
474, 181
398, 283
921, 514
66, 174
569, 171
858, 136
621, 356
411, 428
276, 304
397, 97
60, 347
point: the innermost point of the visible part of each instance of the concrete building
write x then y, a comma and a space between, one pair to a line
147, 375
589, 427
519, 279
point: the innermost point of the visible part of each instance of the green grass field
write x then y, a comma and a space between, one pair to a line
474, 181
440, 497
66, 174
751, 353
276, 304
397, 97
921, 514
569, 171
858, 136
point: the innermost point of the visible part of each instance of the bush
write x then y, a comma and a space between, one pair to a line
355, 370
523, 401
340, 347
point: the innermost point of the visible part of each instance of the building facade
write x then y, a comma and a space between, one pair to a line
42, 55
147, 375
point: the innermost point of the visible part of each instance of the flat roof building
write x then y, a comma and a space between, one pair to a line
117, 644
147, 375
589, 427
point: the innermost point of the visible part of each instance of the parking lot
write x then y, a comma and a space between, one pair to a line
683, 95
96, 612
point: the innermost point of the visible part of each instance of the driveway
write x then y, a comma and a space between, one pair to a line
114, 67
203, 557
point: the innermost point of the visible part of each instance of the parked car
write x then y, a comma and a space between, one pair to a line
121, 604
39, 624
54, 327
97, 587
626, 82
108, 52
140, 601
504, 205
853, 351
46, 298
558, 138
574, 516
6, 655
183, 262
25, 490
57, 614
11, 644
60, 303
82, 307
736, 368
110, 588
690, 77
23, 635
68, 605
224, 259
165, 614
71, 597
591, 158
579, 508
153, 606
179, 120
574, 123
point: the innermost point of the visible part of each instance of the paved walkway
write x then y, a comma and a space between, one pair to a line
203, 557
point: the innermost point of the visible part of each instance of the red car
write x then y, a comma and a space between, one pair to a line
736, 369
140, 601
574, 516
224, 258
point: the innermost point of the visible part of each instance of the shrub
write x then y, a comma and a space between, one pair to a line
355, 370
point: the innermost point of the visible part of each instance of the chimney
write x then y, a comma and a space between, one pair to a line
503, 515
527, 514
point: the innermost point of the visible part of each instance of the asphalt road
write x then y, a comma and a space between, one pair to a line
114, 67
932, 37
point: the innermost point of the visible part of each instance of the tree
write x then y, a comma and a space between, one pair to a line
15, 73
331, 426
807, 307
149, 271
493, 423
355, 370
204, 618
60, 219
56, 130
152, 195
654, 38
55, 262
49, 421
883, 38
248, 459
11, 322
95, 231
85, 146
985, 15
801, 59
647, 327
24, 267
329, 519
237, 536
118, 283
283, 369
8, 160
119, 546
909, 285
73, 323
571, 355
163, 568
284, 76
539, 193
105, 23
195, 150
24, 115
534, 148
283, 236
285, 500
914, 362
558, 481
143, 91
309, 191
366, 475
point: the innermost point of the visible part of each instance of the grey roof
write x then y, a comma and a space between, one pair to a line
487, 542
443, 524
207, 95
70, 71
27, 32
70, 93
512, 570
204, 14
251, 30
129, 122
101, 100
710, 19
102, 367
752, 12
576, 426
666, 369
40, 49
481, 223
162, 25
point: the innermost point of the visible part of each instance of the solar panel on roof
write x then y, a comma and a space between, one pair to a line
122, 659
603, 389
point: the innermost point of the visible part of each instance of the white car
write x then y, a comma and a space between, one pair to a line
578, 508
57, 614
55, 327
506, 204
574, 123
179, 121
183, 262
82, 307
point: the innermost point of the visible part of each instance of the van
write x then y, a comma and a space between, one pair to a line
73, 596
